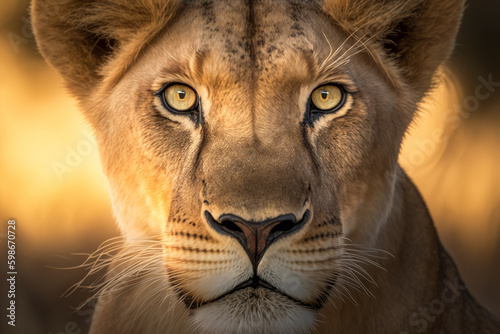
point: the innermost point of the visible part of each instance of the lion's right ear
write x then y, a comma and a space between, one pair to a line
78, 37
418, 35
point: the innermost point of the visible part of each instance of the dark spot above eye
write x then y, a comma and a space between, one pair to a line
271, 49
208, 12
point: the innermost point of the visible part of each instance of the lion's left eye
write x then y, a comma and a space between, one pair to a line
180, 98
327, 98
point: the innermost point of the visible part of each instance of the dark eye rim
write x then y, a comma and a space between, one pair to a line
313, 109
161, 94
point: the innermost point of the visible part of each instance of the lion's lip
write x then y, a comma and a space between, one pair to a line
254, 283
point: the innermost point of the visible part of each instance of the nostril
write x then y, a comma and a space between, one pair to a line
282, 227
225, 226
231, 226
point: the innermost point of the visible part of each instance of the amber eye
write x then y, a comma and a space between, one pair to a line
328, 98
180, 97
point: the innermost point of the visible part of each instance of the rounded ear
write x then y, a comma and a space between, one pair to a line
78, 37
418, 34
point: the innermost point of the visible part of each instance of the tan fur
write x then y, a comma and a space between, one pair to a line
369, 259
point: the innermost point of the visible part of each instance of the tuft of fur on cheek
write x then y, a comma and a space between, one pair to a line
254, 311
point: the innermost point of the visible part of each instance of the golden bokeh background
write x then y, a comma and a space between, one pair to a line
53, 186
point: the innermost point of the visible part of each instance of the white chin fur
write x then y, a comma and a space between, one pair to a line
254, 311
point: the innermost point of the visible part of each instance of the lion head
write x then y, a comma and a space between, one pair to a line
252, 143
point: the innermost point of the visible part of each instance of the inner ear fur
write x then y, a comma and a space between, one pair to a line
418, 35
78, 37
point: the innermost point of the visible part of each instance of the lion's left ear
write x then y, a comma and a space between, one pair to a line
418, 34
79, 37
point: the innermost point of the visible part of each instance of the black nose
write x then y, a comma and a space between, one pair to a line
256, 237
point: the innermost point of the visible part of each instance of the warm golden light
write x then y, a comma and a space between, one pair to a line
52, 183
51, 177
453, 157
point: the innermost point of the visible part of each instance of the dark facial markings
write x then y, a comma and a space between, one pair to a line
295, 10
189, 235
209, 14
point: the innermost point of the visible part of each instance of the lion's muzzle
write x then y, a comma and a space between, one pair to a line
256, 237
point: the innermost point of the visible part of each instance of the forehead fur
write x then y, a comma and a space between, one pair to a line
93, 43
250, 34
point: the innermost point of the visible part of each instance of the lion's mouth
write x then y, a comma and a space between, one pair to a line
253, 283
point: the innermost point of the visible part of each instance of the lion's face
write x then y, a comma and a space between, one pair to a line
256, 148
254, 142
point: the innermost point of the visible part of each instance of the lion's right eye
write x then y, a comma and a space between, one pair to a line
180, 98
328, 98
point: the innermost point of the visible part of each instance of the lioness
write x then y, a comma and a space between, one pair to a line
251, 153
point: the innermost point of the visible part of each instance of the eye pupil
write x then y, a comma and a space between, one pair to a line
327, 98
180, 98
